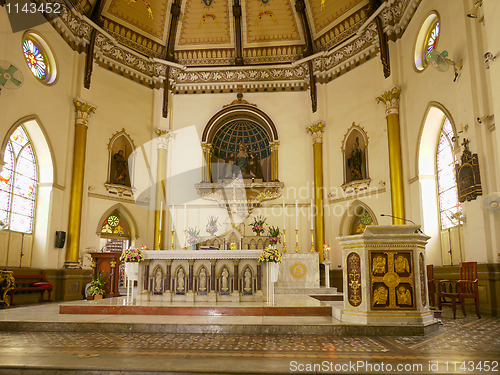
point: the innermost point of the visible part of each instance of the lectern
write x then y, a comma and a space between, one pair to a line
384, 276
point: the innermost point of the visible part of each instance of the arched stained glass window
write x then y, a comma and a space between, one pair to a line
449, 206
114, 226
426, 40
361, 219
39, 58
18, 183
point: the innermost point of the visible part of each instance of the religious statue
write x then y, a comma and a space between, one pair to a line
355, 161
180, 280
380, 296
225, 280
242, 159
247, 281
121, 168
401, 264
378, 265
254, 167
229, 166
404, 296
203, 280
158, 288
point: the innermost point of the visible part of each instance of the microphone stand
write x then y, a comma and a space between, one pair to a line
402, 218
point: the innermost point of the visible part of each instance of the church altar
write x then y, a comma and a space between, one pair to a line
218, 275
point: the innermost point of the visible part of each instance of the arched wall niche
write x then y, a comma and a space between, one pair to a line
120, 147
126, 215
355, 159
355, 210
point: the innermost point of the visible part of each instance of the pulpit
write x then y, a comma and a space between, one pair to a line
384, 277
109, 264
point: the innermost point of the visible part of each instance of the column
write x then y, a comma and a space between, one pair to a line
82, 114
212, 275
236, 263
191, 275
168, 273
274, 160
391, 100
207, 158
317, 131
160, 201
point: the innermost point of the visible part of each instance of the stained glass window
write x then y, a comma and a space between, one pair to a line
427, 40
39, 58
18, 182
450, 208
361, 219
114, 226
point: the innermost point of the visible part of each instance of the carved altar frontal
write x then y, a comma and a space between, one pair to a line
202, 275
384, 276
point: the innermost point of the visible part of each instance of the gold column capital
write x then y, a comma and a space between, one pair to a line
207, 147
83, 111
274, 145
391, 100
163, 138
161, 132
316, 130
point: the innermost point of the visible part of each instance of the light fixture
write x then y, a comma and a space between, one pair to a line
474, 12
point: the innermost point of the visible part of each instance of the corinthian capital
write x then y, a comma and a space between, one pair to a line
163, 138
316, 130
83, 111
391, 100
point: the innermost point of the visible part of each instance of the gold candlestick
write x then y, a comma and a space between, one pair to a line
172, 240
185, 244
312, 241
297, 250
284, 241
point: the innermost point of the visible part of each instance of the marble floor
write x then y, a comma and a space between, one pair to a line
465, 345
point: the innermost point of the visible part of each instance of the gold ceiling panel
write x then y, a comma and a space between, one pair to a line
148, 17
205, 22
324, 12
270, 21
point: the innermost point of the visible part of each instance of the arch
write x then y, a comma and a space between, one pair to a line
120, 147
203, 283
158, 276
247, 280
180, 280
351, 213
351, 143
132, 224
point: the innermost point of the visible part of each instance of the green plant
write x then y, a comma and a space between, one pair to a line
97, 284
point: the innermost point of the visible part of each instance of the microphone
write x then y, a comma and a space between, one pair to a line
400, 218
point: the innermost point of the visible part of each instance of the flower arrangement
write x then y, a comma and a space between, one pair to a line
270, 255
97, 284
212, 225
192, 235
258, 224
274, 235
132, 255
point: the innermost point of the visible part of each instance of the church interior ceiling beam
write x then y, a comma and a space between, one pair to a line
95, 16
237, 31
175, 12
374, 9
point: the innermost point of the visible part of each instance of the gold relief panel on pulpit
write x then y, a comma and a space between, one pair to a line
422, 279
391, 280
354, 295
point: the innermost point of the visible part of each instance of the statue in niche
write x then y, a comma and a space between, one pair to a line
247, 277
158, 283
225, 280
380, 296
254, 167
180, 280
404, 296
355, 162
203, 280
121, 169
230, 169
242, 159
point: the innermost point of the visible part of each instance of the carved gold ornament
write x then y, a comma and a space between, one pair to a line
298, 270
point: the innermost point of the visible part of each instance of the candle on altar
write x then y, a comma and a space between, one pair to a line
284, 213
185, 216
173, 217
312, 215
296, 214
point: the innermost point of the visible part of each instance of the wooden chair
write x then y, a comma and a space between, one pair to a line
459, 290
431, 289
468, 286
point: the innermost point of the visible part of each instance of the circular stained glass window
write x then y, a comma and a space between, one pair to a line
426, 40
39, 58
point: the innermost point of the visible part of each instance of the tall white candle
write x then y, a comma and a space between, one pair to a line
185, 216
296, 214
161, 214
312, 215
284, 214
173, 217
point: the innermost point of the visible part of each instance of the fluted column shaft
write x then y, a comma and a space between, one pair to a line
82, 114
160, 208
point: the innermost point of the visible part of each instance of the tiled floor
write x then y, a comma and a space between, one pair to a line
460, 346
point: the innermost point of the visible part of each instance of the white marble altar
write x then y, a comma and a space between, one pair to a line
384, 277
298, 271
202, 275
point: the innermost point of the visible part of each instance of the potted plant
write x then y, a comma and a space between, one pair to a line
96, 290
274, 236
258, 224
192, 235
131, 258
212, 225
